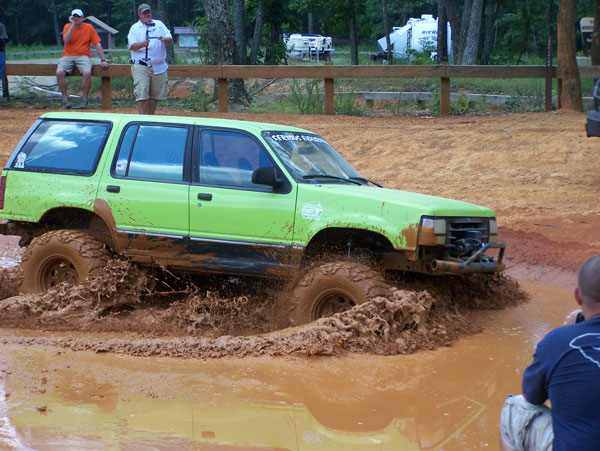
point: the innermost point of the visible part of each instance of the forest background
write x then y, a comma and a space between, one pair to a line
500, 31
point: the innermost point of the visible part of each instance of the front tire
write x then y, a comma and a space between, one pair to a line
334, 287
60, 256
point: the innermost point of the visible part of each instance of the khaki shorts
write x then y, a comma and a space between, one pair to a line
146, 85
67, 63
525, 426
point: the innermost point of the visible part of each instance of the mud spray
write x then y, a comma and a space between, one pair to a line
164, 315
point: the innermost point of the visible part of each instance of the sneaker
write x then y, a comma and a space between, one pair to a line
67, 104
83, 104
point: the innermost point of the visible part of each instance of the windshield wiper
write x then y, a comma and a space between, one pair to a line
362, 179
328, 176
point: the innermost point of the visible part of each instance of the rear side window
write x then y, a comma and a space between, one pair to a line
64, 147
152, 152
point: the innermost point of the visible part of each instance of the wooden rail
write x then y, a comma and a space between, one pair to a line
327, 72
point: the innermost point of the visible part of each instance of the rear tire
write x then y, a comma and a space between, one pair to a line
334, 287
60, 256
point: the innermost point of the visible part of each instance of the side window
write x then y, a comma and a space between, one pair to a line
152, 152
125, 151
64, 147
229, 158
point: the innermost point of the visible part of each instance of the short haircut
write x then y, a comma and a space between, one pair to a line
588, 281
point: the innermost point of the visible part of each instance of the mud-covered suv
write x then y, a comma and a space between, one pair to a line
226, 197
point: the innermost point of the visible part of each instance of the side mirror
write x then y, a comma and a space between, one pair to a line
266, 176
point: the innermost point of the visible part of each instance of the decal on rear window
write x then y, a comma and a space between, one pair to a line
20, 163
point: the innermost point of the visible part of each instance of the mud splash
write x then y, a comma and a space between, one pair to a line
180, 318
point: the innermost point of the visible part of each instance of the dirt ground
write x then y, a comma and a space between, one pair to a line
538, 171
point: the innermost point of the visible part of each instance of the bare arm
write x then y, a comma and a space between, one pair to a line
103, 61
139, 45
69, 33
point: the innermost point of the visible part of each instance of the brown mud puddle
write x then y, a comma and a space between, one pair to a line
213, 321
449, 398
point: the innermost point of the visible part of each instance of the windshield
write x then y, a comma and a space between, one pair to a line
310, 159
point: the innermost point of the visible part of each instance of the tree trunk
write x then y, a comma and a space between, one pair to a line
454, 17
161, 14
221, 43
472, 42
570, 98
464, 29
442, 36
258, 24
488, 41
596, 35
57, 29
353, 34
386, 30
275, 51
239, 25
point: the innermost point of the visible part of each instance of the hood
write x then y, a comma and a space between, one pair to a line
391, 198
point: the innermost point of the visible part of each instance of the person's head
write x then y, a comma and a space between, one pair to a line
145, 13
77, 16
587, 292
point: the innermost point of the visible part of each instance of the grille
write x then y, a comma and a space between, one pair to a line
466, 228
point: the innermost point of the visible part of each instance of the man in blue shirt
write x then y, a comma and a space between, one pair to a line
565, 370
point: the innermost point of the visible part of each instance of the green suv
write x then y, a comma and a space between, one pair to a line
225, 197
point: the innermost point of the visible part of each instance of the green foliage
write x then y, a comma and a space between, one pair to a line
346, 104
307, 97
198, 100
423, 57
199, 26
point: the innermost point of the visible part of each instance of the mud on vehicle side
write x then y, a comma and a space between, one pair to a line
225, 197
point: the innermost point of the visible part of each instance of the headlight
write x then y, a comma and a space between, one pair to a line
432, 231
493, 230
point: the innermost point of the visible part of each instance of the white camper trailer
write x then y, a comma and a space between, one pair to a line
417, 34
299, 46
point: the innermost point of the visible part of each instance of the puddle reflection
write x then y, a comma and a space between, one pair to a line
444, 399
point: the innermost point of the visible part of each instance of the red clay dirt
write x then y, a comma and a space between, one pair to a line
538, 171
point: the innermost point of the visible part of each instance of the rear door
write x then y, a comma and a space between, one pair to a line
146, 189
237, 226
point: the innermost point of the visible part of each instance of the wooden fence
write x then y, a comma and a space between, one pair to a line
328, 73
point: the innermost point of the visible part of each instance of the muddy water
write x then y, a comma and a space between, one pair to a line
52, 398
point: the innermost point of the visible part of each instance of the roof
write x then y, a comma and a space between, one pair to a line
193, 120
185, 30
98, 23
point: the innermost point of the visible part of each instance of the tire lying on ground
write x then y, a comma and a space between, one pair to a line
334, 287
60, 256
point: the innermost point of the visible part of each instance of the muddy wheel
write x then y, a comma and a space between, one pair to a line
334, 287
60, 256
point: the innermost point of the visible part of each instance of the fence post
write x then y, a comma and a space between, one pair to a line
329, 107
548, 92
223, 106
106, 94
444, 96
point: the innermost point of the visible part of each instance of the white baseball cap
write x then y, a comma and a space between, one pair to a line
77, 12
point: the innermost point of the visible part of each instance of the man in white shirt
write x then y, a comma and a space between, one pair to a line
147, 40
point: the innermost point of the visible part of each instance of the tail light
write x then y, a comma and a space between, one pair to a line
2, 189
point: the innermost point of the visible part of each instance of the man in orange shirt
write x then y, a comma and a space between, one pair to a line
77, 37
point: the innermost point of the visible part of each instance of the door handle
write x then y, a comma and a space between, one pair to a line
204, 196
113, 188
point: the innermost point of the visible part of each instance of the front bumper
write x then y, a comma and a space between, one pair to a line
477, 263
